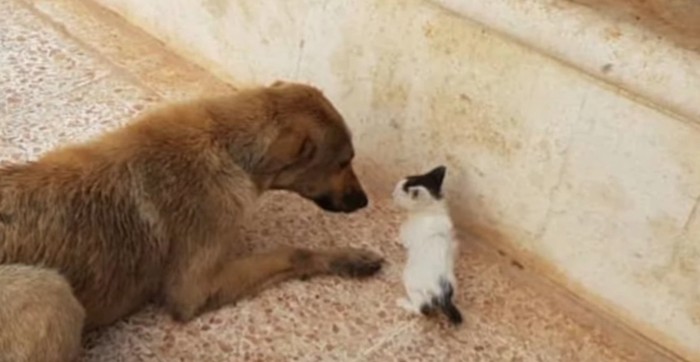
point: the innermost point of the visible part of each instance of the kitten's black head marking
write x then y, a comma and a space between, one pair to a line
432, 181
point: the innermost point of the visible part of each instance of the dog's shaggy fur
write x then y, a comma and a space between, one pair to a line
40, 318
150, 212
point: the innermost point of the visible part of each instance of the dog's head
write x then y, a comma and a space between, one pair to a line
310, 150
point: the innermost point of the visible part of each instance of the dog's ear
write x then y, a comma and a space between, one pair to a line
290, 148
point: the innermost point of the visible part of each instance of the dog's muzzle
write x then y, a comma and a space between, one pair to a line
350, 202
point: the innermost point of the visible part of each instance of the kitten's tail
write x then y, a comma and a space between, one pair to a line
445, 303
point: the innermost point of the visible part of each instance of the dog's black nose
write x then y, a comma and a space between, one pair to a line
355, 200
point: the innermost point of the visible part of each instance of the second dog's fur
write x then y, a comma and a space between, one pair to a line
150, 212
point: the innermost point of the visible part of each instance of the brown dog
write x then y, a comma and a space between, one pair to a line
150, 212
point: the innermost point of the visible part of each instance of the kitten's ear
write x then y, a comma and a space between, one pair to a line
437, 175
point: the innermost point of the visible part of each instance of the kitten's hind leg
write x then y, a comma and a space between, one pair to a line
446, 305
412, 304
406, 304
428, 309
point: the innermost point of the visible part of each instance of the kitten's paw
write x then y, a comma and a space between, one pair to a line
406, 305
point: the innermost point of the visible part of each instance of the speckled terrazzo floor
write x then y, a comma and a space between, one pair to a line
69, 70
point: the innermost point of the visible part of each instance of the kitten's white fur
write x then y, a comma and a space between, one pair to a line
428, 236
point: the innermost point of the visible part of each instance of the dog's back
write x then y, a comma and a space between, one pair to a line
104, 213
81, 217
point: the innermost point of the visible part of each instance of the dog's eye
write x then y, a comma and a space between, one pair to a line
345, 164
414, 194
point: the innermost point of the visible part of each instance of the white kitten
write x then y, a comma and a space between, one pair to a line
427, 235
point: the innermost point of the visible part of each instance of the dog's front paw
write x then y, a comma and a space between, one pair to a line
356, 263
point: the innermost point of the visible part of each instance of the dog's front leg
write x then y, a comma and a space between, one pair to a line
246, 276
